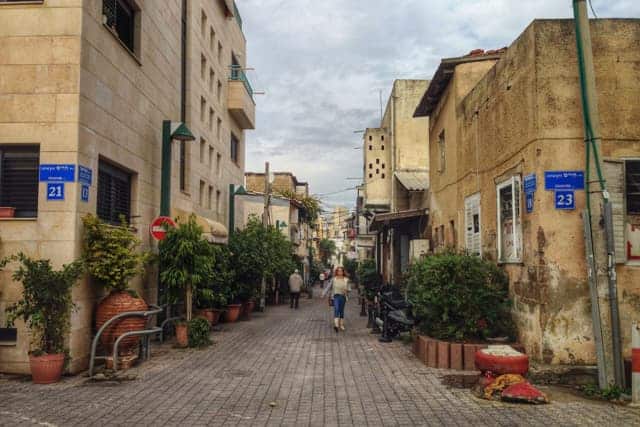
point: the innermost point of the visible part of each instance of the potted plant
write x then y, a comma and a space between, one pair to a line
112, 259
7, 212
187, 265
213, 297
46, 309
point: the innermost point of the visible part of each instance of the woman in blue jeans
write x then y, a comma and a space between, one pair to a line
340, 286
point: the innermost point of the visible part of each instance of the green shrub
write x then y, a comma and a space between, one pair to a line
370, 280
460, 297
198, 331
219, 288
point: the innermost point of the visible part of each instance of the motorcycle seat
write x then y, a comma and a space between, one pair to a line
401, 317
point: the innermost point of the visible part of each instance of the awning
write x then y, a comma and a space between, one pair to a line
213, 231
392, 219
413, 180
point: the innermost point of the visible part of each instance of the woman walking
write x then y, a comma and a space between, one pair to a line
340, 288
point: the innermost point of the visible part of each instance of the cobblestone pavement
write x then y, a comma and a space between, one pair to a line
285, 368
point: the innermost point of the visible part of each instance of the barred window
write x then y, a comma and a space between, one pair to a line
120, 17
114, 193
19, 179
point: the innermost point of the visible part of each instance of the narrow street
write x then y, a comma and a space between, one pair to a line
284, 368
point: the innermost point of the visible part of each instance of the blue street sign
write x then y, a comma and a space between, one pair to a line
84, 193
55, 191
564, 180
565, 199
85, 174
529, 199
58, 173
530, 183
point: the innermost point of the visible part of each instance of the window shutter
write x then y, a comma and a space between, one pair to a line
472, 232
114, 194
19, 180
614, 175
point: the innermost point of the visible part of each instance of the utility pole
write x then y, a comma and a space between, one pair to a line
599, 225
265, 222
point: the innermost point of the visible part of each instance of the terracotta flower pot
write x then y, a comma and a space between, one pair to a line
46, 369
248, 309
7, 212
211, 314
182, 336
216, 316
114, 304
232, 313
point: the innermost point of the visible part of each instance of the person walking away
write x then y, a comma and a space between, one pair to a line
295, 286
340, 287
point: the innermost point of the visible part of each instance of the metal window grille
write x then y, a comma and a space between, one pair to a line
114, 194
120, 17
632, 172
19, 179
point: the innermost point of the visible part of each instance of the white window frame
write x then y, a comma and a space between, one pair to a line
474, 198
515, 183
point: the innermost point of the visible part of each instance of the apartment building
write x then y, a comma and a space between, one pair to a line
505, 125
84, 89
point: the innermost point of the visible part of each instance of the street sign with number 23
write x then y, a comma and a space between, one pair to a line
565, 199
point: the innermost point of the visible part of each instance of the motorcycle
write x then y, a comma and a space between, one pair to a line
394, 314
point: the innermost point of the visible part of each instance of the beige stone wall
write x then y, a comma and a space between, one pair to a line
39, 96
524, 116
377, 167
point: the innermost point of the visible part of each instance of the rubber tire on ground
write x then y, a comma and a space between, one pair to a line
500, 365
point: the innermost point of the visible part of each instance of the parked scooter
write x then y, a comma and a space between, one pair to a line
394, 314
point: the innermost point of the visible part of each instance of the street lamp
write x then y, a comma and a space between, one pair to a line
170, 131
233, 192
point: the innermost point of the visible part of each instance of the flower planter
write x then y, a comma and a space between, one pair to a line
247, 309
46, 369
211, 314
232, 313
7, 212
112, 305
182, 336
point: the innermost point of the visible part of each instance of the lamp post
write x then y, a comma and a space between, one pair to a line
233, 192
170, 131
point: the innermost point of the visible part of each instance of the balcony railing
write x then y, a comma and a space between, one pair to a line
239, 75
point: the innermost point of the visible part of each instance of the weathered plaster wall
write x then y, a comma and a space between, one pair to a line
377, 167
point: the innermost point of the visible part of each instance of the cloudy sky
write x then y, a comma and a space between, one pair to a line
323, 63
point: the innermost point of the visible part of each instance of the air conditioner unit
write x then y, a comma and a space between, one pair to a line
418, 248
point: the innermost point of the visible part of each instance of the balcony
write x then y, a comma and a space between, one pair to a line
240, 99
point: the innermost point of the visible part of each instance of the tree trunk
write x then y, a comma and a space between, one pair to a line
188, 301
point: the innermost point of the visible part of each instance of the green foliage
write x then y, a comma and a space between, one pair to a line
327, 248
187, 262
110, 253
219, 288
369, 278
311, 204
46, 302
351, 268
259, 251
198, 332
459, 296
612, 392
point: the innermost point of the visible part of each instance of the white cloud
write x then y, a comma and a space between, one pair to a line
322, 64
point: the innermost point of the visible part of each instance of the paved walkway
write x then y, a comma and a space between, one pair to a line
286, 368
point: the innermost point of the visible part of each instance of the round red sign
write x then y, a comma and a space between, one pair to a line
159, 227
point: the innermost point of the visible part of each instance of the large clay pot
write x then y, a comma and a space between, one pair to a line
211, 314
247, 309
232, 313
216, 316
182, 335
114, 304
46, 369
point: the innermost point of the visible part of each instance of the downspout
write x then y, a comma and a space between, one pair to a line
592, 143
183, 65
392, 272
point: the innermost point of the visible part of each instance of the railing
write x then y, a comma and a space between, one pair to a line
238, 74
236, 12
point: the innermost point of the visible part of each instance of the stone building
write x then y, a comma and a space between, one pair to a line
500, 118
85, 86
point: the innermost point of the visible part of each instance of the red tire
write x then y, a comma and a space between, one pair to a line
499, 365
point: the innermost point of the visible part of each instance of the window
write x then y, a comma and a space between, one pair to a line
203, 148
377, 171
370, 175
201, 193
219, 52
183, 166
381, 137
114, 193
219, 90
211, 119
235, 148
212, 39
219, 128
211, 156
203, 23
623, 184
441, 152
370, 147
632, 186
382, 176
212, 79
509, 221
218, 199
209, 197
203, 67
472, 224
120, 16
370, 165
218, 164
377, 161
383, 166
19, 179
370, 138
382, 147
203, 108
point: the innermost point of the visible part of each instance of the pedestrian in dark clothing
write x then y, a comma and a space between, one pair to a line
295, 286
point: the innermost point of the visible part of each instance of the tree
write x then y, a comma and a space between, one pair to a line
327, 249
187, 261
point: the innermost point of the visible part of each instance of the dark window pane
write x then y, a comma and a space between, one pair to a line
632, 189
234, 148
19, 179
120, 17
114, 194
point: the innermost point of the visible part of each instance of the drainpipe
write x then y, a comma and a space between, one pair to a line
393, 183
602, 239
183, 64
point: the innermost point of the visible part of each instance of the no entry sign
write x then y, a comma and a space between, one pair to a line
159, 227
